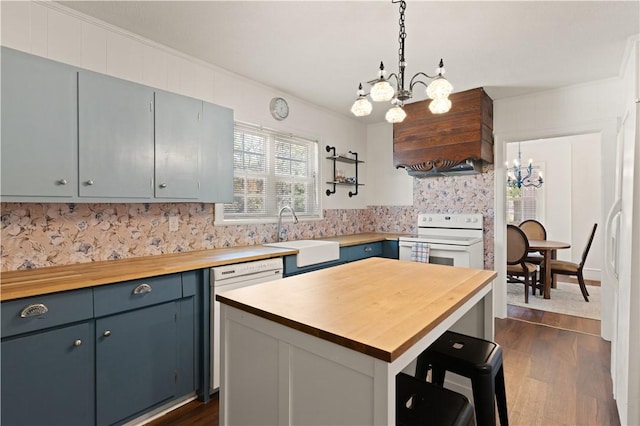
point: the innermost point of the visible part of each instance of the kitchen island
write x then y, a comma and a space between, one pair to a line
325, 347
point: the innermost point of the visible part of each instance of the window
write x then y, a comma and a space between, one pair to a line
526, 202
272, 170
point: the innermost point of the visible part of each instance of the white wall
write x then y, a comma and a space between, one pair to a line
52, 31
571, 193
391, 186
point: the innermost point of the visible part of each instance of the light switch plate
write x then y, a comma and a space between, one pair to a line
173, 223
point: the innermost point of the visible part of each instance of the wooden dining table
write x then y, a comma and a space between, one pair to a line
547, 247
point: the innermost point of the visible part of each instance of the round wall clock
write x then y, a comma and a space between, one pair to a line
279, 108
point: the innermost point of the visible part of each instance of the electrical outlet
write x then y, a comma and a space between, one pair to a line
173, 223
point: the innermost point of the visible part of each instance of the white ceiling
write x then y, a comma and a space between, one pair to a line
320, 50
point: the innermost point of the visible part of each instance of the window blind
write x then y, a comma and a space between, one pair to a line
272, 170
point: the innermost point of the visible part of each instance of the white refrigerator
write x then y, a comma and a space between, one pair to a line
622, 265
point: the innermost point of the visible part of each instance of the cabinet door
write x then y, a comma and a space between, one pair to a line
48, 377
216, 166
115, 137
178, 135
136, 361
39, 130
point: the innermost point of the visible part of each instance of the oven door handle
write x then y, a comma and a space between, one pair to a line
434, 246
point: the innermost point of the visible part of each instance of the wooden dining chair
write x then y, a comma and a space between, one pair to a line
517, 249
534, 230
562, 267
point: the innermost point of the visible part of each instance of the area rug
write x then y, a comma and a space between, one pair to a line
565, 299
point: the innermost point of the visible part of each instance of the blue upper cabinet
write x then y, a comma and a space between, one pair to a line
39, 131
115, 137
71, 135
178, 141
216, 163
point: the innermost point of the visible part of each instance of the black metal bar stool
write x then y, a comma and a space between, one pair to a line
422, 403
476, 359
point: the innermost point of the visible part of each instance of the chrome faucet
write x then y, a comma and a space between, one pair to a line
295, 220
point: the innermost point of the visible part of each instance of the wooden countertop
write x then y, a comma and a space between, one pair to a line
364, 238
380, 307
34, 282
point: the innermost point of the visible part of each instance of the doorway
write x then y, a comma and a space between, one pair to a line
568, 203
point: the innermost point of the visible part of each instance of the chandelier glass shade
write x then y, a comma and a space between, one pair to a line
438, 88
395, 114
518, 178
361, 106
382, 91
439, 106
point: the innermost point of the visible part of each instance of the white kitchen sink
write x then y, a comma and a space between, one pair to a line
311, 252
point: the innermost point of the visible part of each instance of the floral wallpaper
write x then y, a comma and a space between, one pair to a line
35, 235
459, 194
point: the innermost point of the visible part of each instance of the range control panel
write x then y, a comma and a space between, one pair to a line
452, 221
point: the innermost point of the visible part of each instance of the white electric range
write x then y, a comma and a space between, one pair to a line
452, 239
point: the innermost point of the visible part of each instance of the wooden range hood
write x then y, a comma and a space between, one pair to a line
457, 142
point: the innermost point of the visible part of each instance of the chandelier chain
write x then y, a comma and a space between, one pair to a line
401, 38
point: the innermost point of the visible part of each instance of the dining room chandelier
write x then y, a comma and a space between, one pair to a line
515, 178
438, 88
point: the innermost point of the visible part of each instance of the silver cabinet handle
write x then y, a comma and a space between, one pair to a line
89, 182
107, 333
34, 310
368, 249
163, 185
77, 343
62, 182
142, 289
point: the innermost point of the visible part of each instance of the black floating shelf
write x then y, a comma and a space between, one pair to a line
342, 159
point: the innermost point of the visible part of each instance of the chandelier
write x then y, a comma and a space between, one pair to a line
514, 175
438, 89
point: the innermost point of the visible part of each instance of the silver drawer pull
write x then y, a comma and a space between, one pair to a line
107, 333
142, 289
77, 342
34, 310
368, 249
62, 182
163, 185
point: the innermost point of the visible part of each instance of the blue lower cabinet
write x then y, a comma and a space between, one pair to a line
387, 248
48, 377
102, 355
390, 249
291, 268
361, 251
186, 379
136, 361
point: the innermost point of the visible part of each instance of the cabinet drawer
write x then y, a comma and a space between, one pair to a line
362, 251
135, 294
28, 314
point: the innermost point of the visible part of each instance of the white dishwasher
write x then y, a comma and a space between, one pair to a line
231, 277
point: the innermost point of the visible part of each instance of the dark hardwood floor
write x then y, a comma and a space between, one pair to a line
556, 371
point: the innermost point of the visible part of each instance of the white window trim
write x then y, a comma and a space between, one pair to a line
220, 220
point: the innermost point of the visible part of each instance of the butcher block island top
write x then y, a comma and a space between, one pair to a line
379, 307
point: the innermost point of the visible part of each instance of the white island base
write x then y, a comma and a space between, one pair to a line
274, 374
